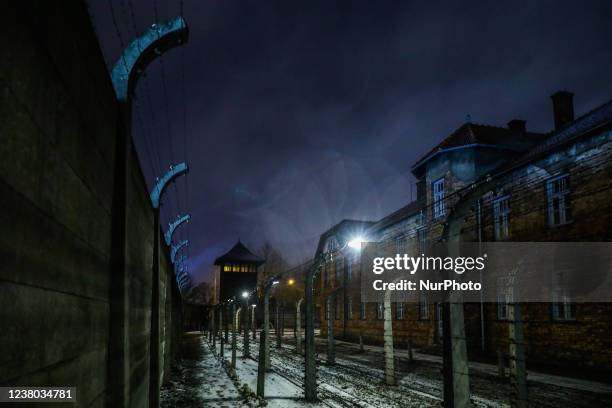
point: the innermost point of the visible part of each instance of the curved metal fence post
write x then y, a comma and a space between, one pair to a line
173, 226
134, 59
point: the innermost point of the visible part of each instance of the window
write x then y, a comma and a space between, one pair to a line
338, 272
562, 306
504, 297
400, 243
423, 306
438, 197
349, 269
399, 311
327, 268
362, 310
380, 310
349, 308
421, 239
338, 309
332, 245
227, 268
328, 309
501, 213
559, 211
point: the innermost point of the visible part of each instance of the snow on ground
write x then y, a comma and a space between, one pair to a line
355, 380
280, 392
198, 379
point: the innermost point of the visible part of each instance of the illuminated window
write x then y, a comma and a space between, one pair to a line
227, 268
235, 268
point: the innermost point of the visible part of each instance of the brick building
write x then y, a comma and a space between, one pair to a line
492, 184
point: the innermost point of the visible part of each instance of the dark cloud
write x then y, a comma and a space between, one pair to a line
299, 114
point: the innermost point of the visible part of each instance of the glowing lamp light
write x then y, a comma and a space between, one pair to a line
245, 294
291, 281
355, 243
275, 282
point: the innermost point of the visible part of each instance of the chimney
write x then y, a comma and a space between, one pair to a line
517, 126
563, 108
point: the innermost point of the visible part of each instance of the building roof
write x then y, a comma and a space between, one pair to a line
585, 124
343, 231
406, 211
239, 253
473, 134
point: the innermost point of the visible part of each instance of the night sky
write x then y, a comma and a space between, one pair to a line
295, 115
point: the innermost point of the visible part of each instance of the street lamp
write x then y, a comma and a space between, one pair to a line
291, 281
245, 295
355, 243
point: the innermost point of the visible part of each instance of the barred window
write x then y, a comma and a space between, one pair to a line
327, 309
349, 308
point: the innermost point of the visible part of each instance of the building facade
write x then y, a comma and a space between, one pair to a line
492, 184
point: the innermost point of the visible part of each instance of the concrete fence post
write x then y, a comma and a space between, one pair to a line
235, 315
298, 326
388, 341
518, 372
246, 353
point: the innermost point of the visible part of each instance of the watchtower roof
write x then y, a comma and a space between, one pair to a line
239, 254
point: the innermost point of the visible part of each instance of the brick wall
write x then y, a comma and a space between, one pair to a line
58, 130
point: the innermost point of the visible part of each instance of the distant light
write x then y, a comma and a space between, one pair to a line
253, 305
355, 243
275, 282
291, 281
245, 294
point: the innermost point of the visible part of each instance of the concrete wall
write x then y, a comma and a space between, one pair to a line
58, 121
